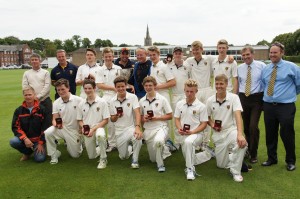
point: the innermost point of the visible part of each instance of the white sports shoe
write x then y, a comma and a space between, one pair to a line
110, 149
135, 165
161, 169
190, 174
55, 156
102, 164
237, 177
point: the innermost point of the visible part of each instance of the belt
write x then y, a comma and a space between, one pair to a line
260, 93
277, 103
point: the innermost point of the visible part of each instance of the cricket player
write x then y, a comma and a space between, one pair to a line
64, 123
224, 114
181, 73
93, 115
105, 81
125, 113
191, 119
88, 70
155, 111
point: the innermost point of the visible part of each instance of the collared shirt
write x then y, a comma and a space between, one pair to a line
140, 71
162, 74
230, 70
224, 111
92, 114
107, 76
68, 111
129, 104
181, 74
69, 72
39, 80
129, 64
192, 114
200, 71
159, 105
256, 76
287, 83
83, 72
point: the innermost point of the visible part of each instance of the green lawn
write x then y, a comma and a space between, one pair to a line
79, 178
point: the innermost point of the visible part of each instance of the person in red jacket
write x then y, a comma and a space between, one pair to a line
28, 126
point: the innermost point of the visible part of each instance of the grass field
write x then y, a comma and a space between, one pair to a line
79, 178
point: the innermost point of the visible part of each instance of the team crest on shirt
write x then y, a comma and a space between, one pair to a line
98, 109
58, 73
228, 107
157, 72
116, 73
74, 107
205, 63
184, 68
213, 108
83, 110
59, 109
156, 104
194, 112
144, 106
128, 104
77, 140
104, 75
226, 68
71, 72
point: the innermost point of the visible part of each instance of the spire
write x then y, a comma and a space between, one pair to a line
147, 39
147, 33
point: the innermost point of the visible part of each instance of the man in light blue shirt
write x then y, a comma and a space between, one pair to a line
251, 95
279, 105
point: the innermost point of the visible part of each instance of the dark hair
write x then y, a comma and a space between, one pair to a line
61, 82
278, 44
91, 50
120, 79
89, 81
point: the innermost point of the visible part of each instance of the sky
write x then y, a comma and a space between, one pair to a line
175, 22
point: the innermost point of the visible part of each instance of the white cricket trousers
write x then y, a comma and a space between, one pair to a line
202, 95
189, 142
155, 140
90, 144
123, 139
228, 153
71, 136
111, 135
175, 99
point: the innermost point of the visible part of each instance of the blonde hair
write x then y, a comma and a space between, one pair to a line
197, 44
154, 49
191, 83
221, 77
107, 50
26, 88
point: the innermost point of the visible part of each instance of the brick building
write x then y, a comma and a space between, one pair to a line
14, 54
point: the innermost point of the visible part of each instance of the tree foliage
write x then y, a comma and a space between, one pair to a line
160, 44
86, 42
263, 42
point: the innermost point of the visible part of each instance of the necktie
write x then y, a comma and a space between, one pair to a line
272, 81
248, 82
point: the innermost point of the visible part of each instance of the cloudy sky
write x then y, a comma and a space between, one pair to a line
177, 22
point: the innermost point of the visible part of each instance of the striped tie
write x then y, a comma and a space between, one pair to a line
270, 91
248, 82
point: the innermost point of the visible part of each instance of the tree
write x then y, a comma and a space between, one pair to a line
160, 44
77, 40
263, 42
98, 43
11, 40
38, 44
69, 45
107, 43
58, 43
50, 49
296, 42
124, 45
286, 40
86, 43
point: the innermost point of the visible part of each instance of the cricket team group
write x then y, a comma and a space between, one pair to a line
124, 104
